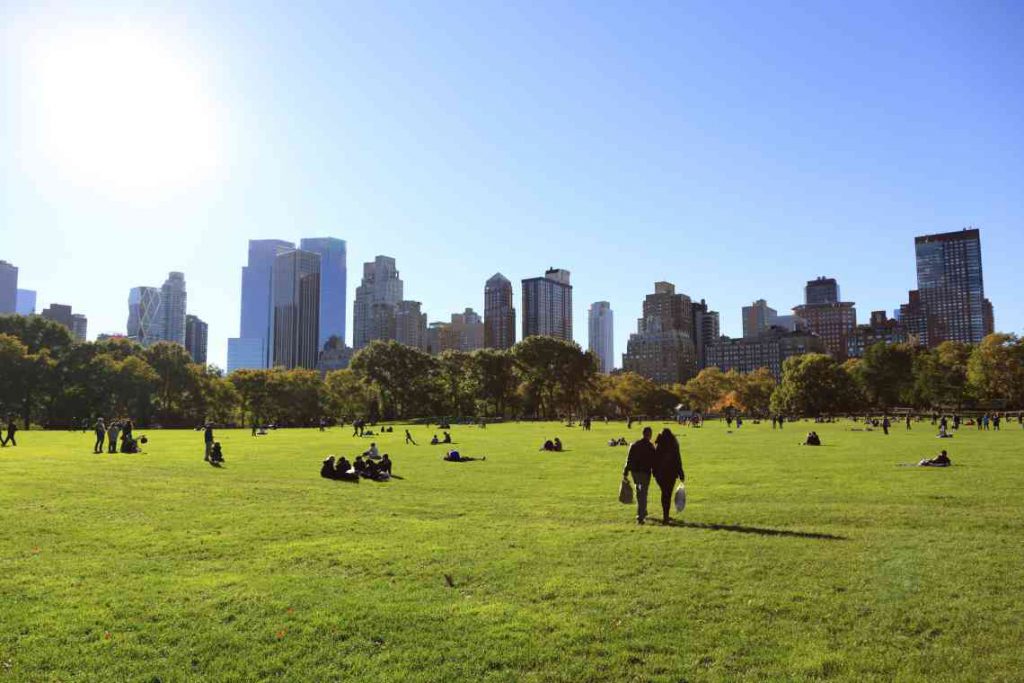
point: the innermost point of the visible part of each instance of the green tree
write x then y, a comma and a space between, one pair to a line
887, 374
996, 369
707, 388
557, 374
171, 363
494, 376
347, 395
940, 375
813, 384
754, 391
406, 379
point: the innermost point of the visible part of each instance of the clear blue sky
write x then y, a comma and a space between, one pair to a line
736, 149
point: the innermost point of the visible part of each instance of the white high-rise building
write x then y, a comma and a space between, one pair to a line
376, 299
601, 334
172, 301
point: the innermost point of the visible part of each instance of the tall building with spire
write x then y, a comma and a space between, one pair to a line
376, 301
662, 348
601, 334
547, 305
499, 313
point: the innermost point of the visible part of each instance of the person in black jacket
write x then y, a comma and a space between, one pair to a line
639, 465
668, 467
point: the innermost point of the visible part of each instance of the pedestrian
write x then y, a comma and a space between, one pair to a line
885, 425
408, 438
668, 467
208, 439
11, 429
908, 422
640, 465
112, 431
101, 432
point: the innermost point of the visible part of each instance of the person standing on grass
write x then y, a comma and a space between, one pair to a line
11, 429
908, 422
640, 465
208, 439
668, 467
885, 425
112, 432
408, 438
101, 433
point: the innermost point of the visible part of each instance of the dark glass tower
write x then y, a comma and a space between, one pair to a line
333, 283
295, 294
949, 279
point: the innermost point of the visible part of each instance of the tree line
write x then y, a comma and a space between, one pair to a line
48, 378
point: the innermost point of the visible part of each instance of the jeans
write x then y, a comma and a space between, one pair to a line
642, 482
98, 448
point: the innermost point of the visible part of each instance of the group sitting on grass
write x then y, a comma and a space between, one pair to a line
454, 456
621, 441
435, 441
550, 445
812, 439
940, 460
362, 468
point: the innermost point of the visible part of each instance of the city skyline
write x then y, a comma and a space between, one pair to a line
735, 155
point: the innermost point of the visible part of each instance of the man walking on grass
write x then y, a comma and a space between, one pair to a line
639, 465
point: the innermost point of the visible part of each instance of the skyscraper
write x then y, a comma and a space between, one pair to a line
823, 290
547, 305
600, 324
757, 317
145, 317
832, 320
951, 286
295, 295
706, 329
26, 302
75, 322
333, 283
172, 305
499, 314
411, 325
196, 338
8, 288
251, 348
662, 348
377, 296
465, 333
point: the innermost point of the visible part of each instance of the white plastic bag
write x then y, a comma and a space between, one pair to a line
625, 492
680, 498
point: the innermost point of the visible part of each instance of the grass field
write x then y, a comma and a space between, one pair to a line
789, 563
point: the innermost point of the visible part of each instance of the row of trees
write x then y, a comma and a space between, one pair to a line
48, 378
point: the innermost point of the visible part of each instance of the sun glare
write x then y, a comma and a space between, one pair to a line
123, 112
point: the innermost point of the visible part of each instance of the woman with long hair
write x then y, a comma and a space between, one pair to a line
668, 467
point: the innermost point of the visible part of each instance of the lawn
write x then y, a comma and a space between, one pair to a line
789, 563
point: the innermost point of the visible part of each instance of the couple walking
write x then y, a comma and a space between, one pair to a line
660, 459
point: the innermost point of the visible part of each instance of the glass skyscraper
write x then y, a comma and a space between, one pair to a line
295, 295
251, 349
333, 284
951, 287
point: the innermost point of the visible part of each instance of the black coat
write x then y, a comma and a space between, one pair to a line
668, 464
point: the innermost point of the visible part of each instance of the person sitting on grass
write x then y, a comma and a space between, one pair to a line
940, 460
343, 470
549, 445
453, 456
435, 441
812, 439
385, 464
327, 467
447, 438
558, 445
372, 452
216, 454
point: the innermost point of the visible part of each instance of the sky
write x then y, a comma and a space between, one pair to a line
734, 149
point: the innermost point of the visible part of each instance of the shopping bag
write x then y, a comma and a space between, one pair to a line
625, 492
680, 498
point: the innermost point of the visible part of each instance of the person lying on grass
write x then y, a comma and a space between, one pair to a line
940, 460
453, 456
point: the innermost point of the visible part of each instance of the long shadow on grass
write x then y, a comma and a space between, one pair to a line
760, 531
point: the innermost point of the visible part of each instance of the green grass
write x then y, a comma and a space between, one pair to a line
158, 567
